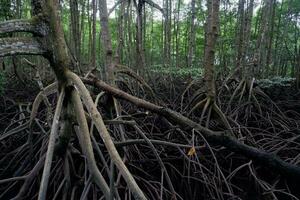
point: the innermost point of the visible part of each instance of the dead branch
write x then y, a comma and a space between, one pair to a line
151, 3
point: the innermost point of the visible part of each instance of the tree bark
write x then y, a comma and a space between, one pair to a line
177, 33
211, 35
240, 34
191, 46
33, 26
140, 54
167, 32
121, 23
20, 46
75, 33
106, 40
94, 38
53, 47
248, 22
270, 36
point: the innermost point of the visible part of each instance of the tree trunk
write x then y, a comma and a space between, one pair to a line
106, 40
50, 42
270, 36
276, 63
94, 38
177, 33
248, 22
121, 23
89, 32
140, 56
211, 35
191, 46
264, 35
82, 32
75, 39
167, 33
240, 36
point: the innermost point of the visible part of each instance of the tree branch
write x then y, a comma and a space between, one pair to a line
114, 7
20, 46
24, 25
155, 5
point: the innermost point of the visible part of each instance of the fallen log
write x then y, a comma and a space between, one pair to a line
222, 138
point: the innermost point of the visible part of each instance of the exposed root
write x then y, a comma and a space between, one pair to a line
247, 91
42, 96
155, 143
50, 149
210, 105
121, 69
98, 121
164, 170
221, 138
86, 144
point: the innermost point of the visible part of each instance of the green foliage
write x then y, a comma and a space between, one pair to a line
276, 82
284, 48
5, 12
177, 72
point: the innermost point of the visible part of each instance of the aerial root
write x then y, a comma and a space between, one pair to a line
164, 170
62, 125
122, 69
42, 96
221, 138
51, 145
85, 142
30, 178
99, 124
74, 177
209, 106
245, 86
84, 139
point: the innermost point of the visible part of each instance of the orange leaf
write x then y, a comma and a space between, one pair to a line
192, 151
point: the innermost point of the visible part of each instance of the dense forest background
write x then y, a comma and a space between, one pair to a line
168, 36
149, 99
